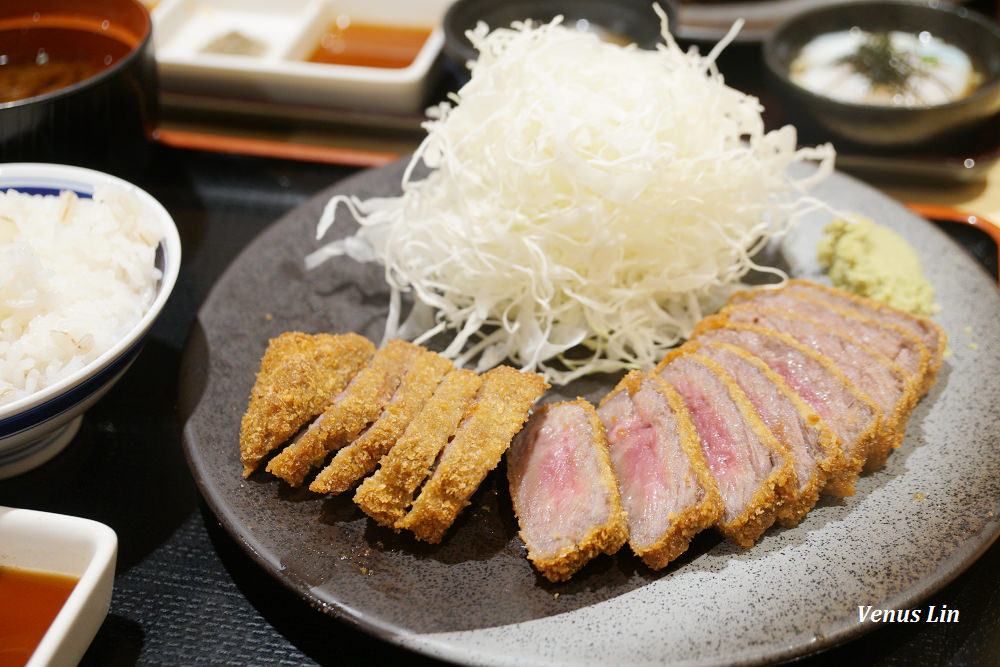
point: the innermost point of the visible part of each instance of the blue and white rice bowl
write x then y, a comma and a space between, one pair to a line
36, 427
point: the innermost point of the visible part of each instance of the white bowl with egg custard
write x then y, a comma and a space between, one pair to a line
42, 397
887, 73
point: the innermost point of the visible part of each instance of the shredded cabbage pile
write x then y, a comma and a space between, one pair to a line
584, 202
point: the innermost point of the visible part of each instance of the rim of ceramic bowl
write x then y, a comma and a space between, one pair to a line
457, 44
773, 63
135, 52
83, 181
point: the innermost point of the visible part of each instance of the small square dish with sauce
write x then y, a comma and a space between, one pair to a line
56, 577
306, 58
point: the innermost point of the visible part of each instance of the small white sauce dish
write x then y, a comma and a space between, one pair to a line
36, 427
67, 545
280, 80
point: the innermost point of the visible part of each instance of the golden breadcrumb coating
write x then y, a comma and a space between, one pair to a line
357, 459
360, 404
498, 413
299, 377
865, 326
387, 494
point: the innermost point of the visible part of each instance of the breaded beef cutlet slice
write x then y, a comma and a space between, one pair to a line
666, 489
813, 446
893, 342
564, 491
929, 333
359, 458
495, 417
753, 470
387, 494
852, 416
880, 378
299, 376
354, 409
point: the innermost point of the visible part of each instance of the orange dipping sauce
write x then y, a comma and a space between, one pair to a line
29, 602
348, 42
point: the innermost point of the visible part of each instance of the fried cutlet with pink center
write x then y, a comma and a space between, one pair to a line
299, 376
930, 334
881, 379
564, 491
753, 470
813, 446
901, 346
852, 416
666, 489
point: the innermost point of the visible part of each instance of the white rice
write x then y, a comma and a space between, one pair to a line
75, 276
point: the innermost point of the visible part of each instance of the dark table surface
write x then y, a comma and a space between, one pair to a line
185, 593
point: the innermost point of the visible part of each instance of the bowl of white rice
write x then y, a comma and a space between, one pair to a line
87, 262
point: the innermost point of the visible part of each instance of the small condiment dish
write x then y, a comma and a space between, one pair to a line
69, 546
255, 57
622, 21
36, 427
868, 124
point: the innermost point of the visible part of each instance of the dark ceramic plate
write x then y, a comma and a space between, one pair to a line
909, 530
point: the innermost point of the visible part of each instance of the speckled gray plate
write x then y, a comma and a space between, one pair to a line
909, 529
